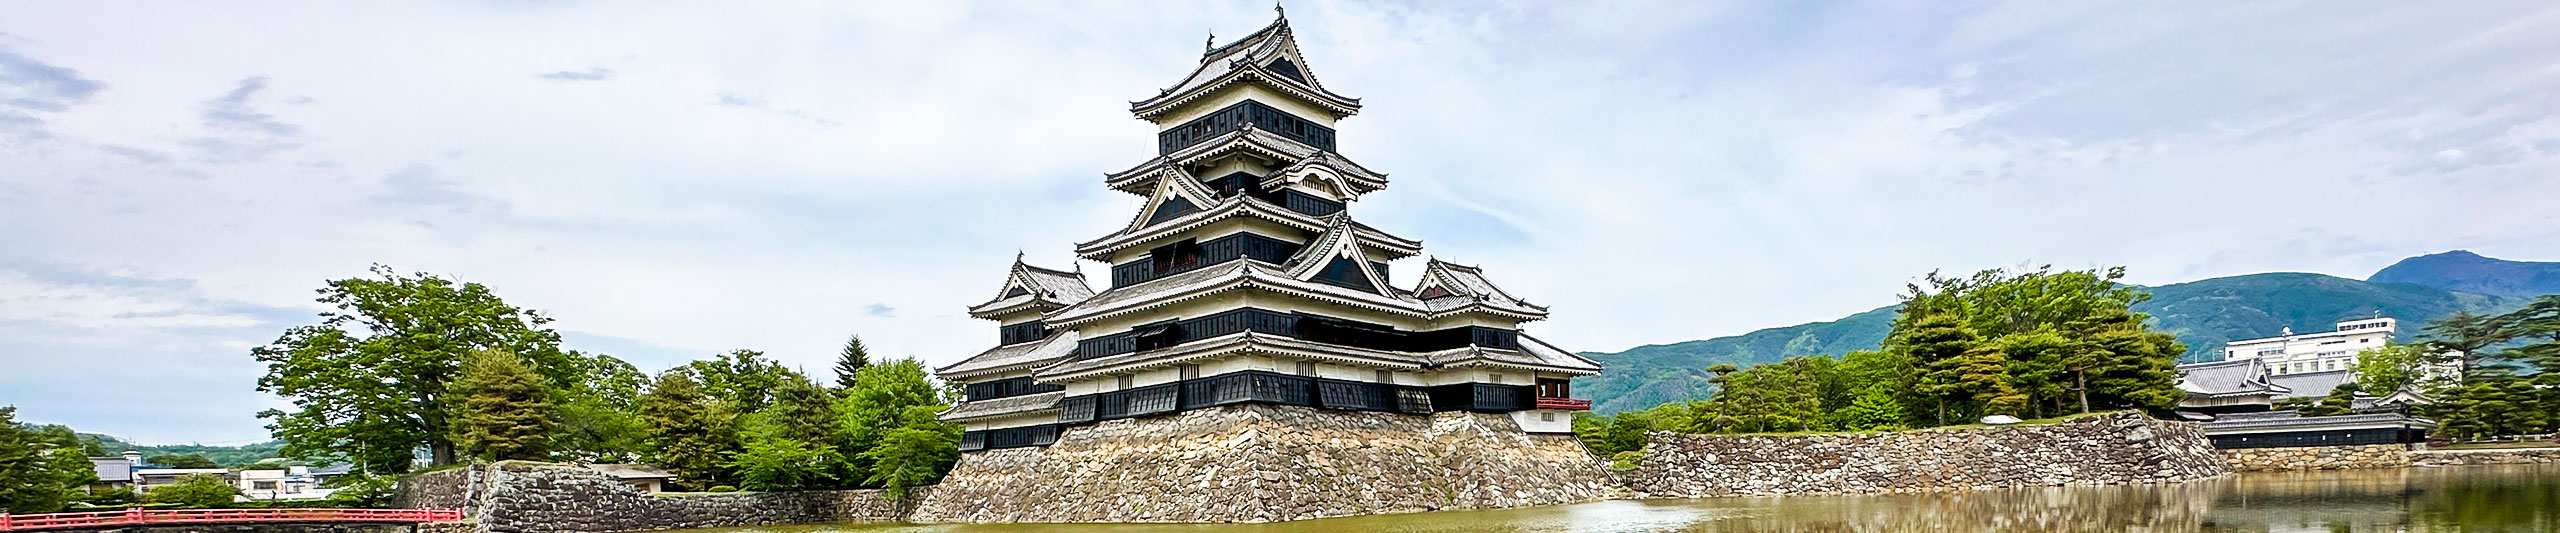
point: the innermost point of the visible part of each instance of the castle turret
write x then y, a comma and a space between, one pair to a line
1244, 278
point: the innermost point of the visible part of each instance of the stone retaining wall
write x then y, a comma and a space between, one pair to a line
1261, 463
2377, 456
511, 497
2113, 448
2317, 457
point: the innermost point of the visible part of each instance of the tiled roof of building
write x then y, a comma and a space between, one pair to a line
1028, 287
1018, 356
2226, 378
2309, 384
1002, 406
1251, 59
2288, 420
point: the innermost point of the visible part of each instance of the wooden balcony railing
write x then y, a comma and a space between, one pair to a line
1567, 404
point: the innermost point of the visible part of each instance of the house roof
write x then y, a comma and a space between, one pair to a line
1255, 58
1017, 356
1028, 287
2309, 384
631, 471
2289, 420
1002, 406
2226, 378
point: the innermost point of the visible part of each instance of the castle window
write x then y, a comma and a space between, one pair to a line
1190, 371
1386, 376
1495, 377
1127, 382
1163, 335
1176, 256
1307, 368
1555, 388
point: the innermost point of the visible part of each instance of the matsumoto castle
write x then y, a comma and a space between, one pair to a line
1247, 279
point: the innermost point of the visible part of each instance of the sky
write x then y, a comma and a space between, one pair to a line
670, 180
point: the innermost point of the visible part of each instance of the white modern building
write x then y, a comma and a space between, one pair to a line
2325, 351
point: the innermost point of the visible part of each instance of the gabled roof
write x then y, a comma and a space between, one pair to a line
1349, 179
1339, 242
1462, 286
1028, 287
1145, 229
1250, 140
1172, 185
1011, 357
1268, 57
2241, 377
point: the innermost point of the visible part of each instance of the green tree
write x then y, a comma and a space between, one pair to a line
195, 490
600, 419
743, 377
503, 411
369, 382
850, 361
691, 432
2466, 338
795, 443
363, 491
2390, 368
39, 467
783, 464
186, 460
1937, 347
887, 396
1876, 409
914, 455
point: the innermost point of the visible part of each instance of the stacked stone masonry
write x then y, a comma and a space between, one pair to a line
2108, 449
2376, 456
511, 497
1260, 463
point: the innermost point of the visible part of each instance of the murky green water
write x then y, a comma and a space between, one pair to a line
2467, 499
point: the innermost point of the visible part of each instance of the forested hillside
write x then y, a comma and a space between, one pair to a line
2203, 314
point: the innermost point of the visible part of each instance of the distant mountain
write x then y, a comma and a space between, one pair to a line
2462, 270
2203, 314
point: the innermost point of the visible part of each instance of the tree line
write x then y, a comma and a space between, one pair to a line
2032, 343
405, 363
2509, 364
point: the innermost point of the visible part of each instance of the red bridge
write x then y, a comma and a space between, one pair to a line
180, 517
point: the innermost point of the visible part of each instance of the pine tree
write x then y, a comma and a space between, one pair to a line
850, 361
504, 412
691, 432
1937, 345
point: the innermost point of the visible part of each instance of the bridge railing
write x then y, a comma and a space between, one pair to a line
32, 522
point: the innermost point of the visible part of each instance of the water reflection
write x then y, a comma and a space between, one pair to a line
2470, 499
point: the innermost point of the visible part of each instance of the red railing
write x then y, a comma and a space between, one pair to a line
32, 522
1567, 404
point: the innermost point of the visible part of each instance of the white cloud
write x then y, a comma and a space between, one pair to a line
670, 183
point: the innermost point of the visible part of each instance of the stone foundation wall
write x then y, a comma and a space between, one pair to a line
510, 497
2114, 448
1261, 463
2485, 457
2317, 457
2376, 456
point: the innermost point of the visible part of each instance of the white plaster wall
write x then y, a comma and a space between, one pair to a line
1012, 421
1544, 421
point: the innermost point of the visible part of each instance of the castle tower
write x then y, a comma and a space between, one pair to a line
1245, 279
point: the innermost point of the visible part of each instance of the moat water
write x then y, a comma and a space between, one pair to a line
2469, 499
